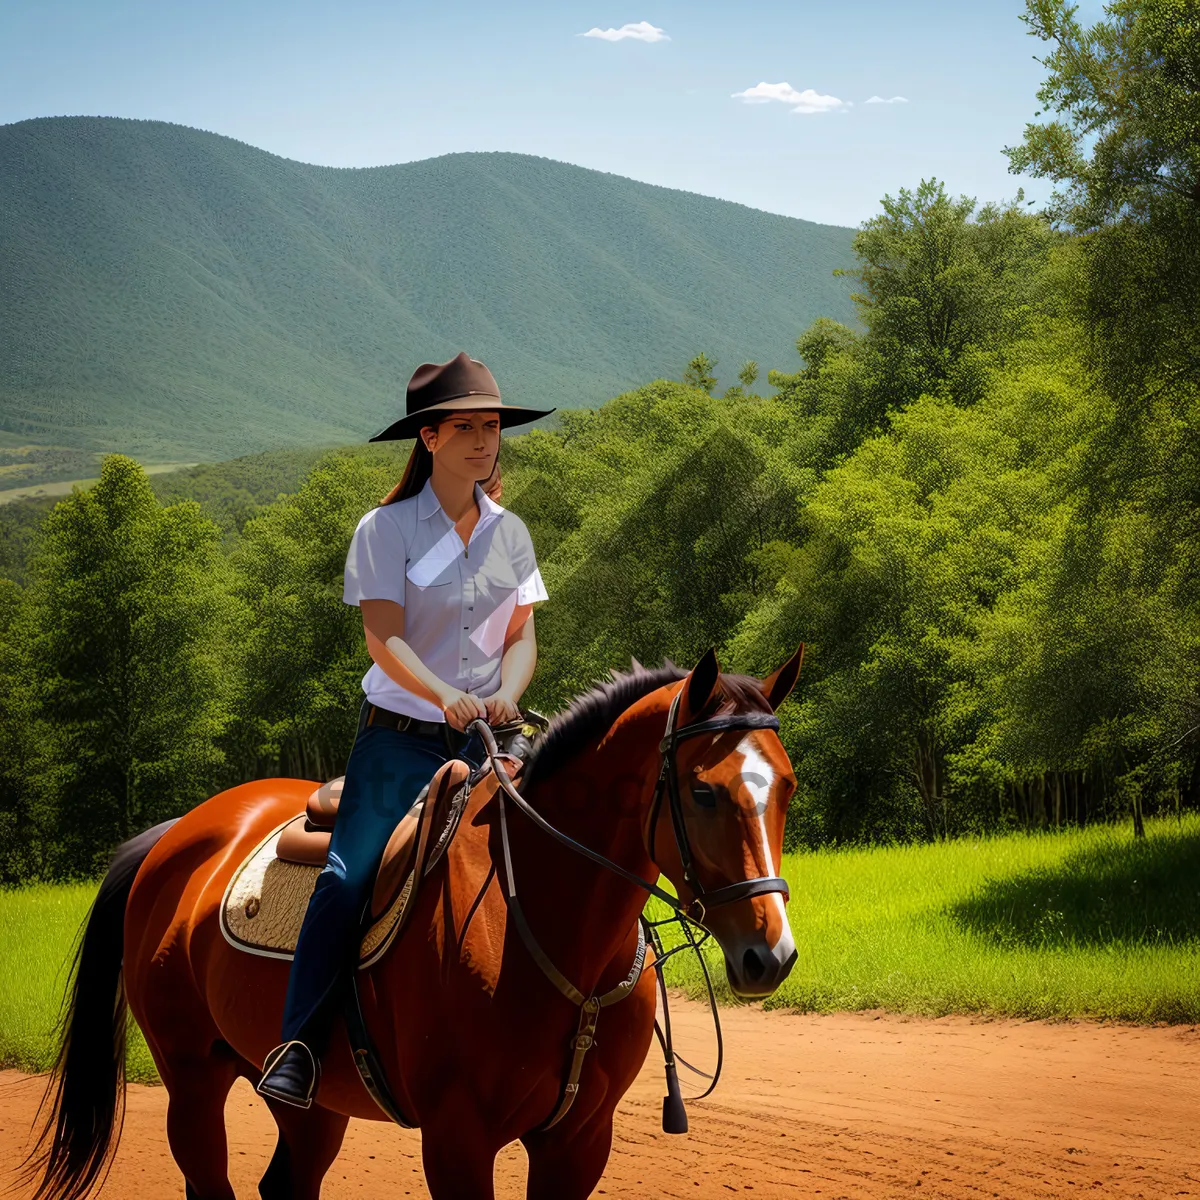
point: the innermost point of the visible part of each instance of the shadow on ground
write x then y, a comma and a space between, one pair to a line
1142, 893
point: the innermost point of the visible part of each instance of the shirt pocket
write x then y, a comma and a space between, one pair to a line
497, 576
495, 599
430, 571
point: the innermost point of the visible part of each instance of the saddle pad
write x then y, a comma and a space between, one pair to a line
266, 899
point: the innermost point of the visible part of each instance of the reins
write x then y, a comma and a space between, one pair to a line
695, 910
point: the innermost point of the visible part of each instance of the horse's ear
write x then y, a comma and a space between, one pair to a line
779, 683
637, 666
698, 688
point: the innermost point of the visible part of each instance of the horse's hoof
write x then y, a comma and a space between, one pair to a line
290, 1074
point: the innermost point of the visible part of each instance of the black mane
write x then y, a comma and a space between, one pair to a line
592, 713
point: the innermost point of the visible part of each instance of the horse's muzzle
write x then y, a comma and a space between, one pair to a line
756, 970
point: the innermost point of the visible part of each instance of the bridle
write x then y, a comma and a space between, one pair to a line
668, 775
695, 909
668, 780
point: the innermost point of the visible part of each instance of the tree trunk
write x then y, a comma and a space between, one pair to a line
1139, 829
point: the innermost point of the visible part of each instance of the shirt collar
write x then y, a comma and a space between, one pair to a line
428, 503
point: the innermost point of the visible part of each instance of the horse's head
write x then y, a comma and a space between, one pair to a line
733, 790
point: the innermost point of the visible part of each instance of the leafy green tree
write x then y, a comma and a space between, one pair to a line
23, 828
126, 624
302, 655
832, 398
1131, 82
943, 295
699, 373
679, 531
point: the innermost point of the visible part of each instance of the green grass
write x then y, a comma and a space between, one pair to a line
38, 926
1082, 924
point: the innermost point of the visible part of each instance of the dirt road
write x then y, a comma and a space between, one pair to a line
854, 1105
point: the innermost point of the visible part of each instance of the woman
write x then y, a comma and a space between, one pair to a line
446, 580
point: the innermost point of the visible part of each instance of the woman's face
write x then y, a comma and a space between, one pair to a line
465, 443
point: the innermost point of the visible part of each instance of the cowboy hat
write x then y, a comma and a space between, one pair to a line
460, 385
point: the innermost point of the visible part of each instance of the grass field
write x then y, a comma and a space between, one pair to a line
1088, 923
1082, 924
38, 926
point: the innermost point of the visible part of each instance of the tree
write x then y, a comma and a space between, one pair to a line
1133, 81
748, 374
699, 373
303, 655
127, 626
942, 294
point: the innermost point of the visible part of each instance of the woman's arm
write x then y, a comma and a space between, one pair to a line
517, 662
383, 627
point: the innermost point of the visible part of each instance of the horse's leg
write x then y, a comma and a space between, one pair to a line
568, 1168
309, 1141
197, 1089
459, 1164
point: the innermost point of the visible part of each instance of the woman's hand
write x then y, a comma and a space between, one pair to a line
461, 708
501, 707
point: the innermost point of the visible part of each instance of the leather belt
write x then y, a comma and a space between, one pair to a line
372, 714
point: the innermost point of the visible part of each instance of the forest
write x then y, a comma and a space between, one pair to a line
980, 513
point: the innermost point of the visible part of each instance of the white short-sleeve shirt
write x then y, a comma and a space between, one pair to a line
457, 600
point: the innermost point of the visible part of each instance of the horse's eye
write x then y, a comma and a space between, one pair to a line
704, 795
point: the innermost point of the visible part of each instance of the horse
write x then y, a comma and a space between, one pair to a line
471, 1036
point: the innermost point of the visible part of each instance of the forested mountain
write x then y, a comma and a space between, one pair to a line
180, 296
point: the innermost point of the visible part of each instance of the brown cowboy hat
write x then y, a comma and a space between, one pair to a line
460, 385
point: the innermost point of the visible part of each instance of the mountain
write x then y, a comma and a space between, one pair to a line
178, 295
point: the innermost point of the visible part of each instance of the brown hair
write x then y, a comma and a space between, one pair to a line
420, 467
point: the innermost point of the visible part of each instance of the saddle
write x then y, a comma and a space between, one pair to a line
267, 897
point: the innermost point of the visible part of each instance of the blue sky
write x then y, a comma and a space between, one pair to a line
364, 83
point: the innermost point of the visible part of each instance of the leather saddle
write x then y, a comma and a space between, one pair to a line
423, 833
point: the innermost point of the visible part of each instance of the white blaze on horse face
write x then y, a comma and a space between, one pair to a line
758, 777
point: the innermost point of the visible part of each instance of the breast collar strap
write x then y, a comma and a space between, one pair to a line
668, 781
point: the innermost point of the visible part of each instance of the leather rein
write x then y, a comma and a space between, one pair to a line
694, 910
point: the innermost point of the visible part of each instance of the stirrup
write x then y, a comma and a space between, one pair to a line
272, 1061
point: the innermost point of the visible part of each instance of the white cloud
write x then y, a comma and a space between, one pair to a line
881, 100
807, 101
642, 31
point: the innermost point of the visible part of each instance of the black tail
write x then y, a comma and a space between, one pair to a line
88, 1078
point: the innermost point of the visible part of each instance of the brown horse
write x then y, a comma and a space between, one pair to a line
473, 1039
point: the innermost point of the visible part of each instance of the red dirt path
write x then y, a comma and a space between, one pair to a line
854, 1105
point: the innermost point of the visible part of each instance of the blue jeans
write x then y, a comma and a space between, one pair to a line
386, 770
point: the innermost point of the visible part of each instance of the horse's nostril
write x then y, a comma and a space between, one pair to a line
753, 965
